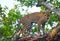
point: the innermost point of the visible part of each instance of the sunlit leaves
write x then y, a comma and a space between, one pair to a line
5, 31
9, 23
34, 29
42, 8
53, 18
28, 2
18, 15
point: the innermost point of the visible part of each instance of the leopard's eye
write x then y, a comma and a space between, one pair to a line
45, 15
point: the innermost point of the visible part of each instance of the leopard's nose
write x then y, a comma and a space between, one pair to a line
48, 18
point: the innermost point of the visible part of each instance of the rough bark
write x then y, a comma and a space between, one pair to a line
49, 6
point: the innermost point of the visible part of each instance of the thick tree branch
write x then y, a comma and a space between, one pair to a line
50, 7
48, 37
53, 33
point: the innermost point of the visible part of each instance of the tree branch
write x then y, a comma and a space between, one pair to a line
50, 7
53, 33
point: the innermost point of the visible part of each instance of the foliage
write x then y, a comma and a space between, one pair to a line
28, 2
8, 22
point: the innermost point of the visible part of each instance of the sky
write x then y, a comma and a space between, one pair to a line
10, 4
